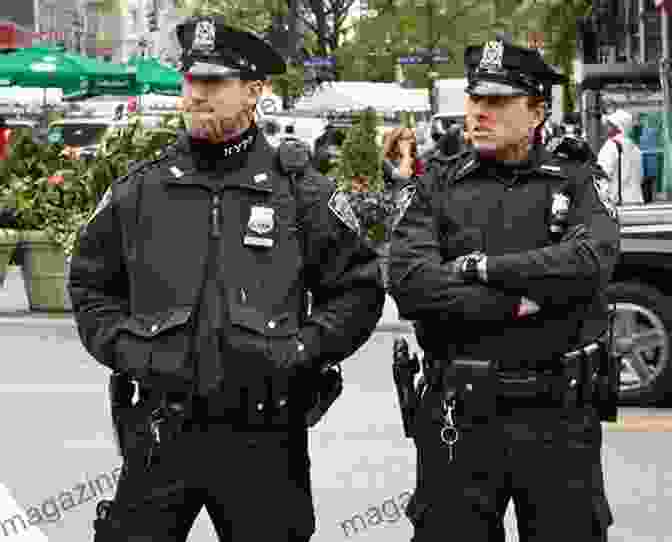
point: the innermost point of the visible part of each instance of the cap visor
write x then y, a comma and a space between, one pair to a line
204, 70
492, 88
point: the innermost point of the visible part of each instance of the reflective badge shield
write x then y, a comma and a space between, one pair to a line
261, 220
340, 206
204, 37
492, 56
604, 194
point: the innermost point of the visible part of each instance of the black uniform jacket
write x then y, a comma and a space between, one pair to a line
139, 264
460, 207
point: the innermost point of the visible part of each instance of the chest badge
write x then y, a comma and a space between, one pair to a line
260, 177
261, 222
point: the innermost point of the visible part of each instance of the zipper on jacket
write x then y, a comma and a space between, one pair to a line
215, 227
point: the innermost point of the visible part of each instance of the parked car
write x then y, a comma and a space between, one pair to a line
86, 134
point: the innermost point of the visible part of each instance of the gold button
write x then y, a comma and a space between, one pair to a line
301, 347
260, 406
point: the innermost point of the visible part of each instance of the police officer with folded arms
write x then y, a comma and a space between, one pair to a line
501, 260
191, 279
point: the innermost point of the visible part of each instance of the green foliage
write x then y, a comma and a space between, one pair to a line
55, 191
360, 166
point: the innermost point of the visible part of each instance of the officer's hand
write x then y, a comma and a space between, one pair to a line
527, 307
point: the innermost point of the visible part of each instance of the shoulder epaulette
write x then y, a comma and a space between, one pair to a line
142, 166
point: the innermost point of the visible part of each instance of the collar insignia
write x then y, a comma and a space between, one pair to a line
177, 173
492, 56
204, 37
260, 177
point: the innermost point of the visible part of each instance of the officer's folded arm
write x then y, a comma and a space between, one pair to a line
344, 279
574, 269
423, 286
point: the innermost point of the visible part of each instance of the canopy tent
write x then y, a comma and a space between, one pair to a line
40, 67
349, 95
156, 78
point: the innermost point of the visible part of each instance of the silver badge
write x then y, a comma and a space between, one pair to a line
404, 199
560, 205
493, 54
604, 194
261, 220
104, 202
204, 37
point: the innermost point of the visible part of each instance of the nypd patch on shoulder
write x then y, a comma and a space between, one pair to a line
340, 206
403, 202
602, 188
104, 202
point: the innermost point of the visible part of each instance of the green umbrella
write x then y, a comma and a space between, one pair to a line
54, 68
153, 77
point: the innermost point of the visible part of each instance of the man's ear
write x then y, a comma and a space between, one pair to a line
255, 89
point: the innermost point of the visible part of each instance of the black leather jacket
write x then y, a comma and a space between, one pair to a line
463, 205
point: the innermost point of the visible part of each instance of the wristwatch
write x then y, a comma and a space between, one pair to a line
474, 267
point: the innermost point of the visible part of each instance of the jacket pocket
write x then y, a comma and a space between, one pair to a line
158, 342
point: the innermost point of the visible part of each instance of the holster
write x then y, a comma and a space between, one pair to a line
607, 383
121, 390
404, 369
328, 387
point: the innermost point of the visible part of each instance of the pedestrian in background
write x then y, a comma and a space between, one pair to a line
5, 138
400, 162
192, 279
621, 160
501, 260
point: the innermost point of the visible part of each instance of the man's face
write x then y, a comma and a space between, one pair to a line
219, 109
499, 122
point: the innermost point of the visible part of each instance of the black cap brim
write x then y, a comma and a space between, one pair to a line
494, 88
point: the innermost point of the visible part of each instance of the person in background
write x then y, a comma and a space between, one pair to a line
400, 161
620, 148
5, 134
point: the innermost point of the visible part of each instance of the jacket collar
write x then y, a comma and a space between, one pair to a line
540, 161
256, 174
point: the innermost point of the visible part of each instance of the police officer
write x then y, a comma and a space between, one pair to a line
501, 259
191, 277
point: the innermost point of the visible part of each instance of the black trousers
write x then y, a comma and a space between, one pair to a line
255, 485
544, 458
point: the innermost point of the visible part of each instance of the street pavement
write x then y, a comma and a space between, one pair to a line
59, 455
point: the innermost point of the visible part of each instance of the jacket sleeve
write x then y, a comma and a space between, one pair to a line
575, 268
425, 287
98, 283
343, 276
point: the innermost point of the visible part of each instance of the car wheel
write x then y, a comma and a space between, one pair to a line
641, 332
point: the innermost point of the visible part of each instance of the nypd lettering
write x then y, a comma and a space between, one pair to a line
236, 148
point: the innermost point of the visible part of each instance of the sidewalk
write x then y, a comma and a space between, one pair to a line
14, 308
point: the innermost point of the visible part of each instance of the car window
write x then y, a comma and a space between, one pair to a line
77, 135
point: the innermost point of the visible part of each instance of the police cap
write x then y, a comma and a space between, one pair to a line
213, 50
498, 68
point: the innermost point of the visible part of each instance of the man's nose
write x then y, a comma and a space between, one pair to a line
199, 91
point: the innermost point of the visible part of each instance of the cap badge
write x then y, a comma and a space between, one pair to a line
204, 37
493, 54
